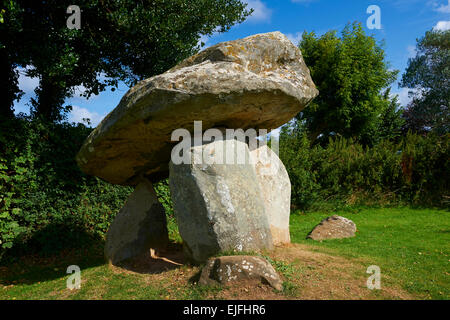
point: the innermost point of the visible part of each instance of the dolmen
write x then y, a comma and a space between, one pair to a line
202, 124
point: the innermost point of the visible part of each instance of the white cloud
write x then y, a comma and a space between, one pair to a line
295, 37
412, 51
203, 39
403, 96
275, 134
78, 94
442, 26
208, 40
27, 84
261, 12
442, 8
80, 90
78, 114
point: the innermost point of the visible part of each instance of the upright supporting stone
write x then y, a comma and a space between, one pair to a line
138, 227
218, 206
276, 192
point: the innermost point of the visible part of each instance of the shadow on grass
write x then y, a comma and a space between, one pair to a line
50, 251
46, 255
169, 259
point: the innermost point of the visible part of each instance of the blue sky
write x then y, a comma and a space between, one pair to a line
403, 21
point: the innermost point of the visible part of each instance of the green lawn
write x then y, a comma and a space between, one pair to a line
46, 279
411, 246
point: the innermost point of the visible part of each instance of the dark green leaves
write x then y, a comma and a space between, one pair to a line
123, 40
350, 72
428, 75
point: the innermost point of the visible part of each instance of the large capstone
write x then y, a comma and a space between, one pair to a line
259, 82
276, 192
138, 227
219, 207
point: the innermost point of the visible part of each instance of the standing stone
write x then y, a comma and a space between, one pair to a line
334, 227
276, 192
219, 206
139, 226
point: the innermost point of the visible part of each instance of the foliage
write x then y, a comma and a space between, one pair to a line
413, 170
298, 160
391, 121
163, 192
46, 202
428, 76
350, 73
118, 40
9, 75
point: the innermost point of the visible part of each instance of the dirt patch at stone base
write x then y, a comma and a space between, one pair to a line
309, 275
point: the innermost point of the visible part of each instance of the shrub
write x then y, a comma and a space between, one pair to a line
413, 171
300, 164
46, 202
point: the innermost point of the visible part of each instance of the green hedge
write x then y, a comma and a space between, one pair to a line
414, 170
46, 202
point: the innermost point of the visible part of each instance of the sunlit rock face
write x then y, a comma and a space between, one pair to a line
219, 207
276, 192
240, 269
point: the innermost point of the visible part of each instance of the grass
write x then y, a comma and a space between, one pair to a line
34, 279
411, 246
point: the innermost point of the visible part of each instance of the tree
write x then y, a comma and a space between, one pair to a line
391, 120
428, 77
119, 40
350, 73
8, 73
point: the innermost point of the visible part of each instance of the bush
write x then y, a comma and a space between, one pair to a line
300, 164
46, 202
412, 171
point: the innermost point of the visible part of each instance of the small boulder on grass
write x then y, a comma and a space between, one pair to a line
334, 227
229, 269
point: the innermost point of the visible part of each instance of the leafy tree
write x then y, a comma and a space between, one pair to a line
119, 40
428, 74
350, 72
391, 120
8, 74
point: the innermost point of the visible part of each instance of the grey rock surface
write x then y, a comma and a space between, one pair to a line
334, 227
139, 226
259, 82
219, 207
276, 192
229, 269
